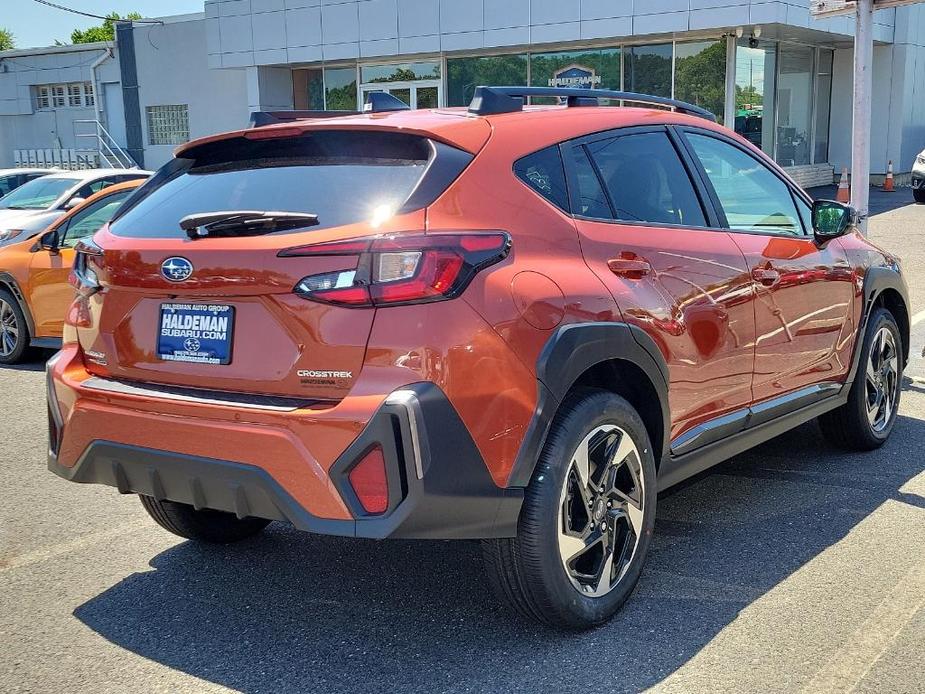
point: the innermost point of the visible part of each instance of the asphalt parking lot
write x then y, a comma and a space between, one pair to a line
793, 567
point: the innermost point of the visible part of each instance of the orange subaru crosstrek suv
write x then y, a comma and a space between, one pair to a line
509, 323
34, 289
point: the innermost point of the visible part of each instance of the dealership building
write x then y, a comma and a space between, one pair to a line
765, 67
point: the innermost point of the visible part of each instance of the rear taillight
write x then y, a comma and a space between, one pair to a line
83, 275
401, 269
370, 482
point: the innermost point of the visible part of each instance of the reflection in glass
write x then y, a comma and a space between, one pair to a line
794, 105
340, 89
755, 67
823, 105
700, 75
648, 69
426, 97
308, 90
465, 74
405, 72
590, 69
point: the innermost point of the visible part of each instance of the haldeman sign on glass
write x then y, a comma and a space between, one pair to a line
577, 76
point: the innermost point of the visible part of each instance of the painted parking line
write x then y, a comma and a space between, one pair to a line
917, 318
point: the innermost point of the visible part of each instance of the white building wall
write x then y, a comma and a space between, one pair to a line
173, 69
277, 32
23, 127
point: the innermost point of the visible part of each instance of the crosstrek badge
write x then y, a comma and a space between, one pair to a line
200, 333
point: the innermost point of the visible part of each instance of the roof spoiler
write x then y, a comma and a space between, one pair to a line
492, 100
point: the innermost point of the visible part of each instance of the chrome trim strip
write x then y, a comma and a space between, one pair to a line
781, 405
702, 434
408, 400
266, 403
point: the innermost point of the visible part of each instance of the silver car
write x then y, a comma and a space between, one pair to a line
30, 208
11, 179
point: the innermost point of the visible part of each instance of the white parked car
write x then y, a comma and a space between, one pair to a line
11, 179
918, 177
34, 205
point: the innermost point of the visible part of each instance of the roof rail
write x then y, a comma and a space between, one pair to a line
491, 100
260, 119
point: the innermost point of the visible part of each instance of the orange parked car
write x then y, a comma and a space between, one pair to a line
514, 324
34, 289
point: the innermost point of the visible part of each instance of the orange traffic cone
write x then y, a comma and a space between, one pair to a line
888, 182
844, 192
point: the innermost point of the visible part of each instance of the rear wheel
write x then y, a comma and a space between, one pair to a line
866, 420
14, 333
587, 517
204, 525
919, 194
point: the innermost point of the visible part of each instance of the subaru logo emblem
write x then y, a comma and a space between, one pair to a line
176, 269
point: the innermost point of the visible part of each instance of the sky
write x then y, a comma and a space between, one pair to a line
35, 25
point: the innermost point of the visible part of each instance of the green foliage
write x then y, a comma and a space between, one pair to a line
7, 40
465, 74
105, 32
701, 78
748, 96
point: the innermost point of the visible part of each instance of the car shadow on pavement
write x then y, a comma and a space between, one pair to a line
292, 612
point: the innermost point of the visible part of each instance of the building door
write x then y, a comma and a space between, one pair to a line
115, 111
420, 94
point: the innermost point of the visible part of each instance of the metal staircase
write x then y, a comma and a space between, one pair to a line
94, 137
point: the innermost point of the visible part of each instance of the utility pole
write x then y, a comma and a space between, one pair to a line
863, 86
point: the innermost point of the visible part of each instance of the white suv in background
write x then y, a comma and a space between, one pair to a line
918, 177
34, 205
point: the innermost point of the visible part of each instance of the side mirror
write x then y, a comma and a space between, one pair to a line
831, 219
50, 242
73, 202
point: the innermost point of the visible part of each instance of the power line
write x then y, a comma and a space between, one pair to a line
94, 16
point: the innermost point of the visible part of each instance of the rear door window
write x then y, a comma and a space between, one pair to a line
646, 180
543, 172
592, 201
91, 218
343, 177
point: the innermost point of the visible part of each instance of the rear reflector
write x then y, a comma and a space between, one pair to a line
369, 482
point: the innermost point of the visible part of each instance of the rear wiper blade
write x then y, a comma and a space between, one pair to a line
244, 222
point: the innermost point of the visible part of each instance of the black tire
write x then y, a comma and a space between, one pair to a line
13, 349
205, 525
849, 426
529, 572
919, 194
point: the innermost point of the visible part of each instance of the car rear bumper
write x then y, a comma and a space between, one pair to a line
280, 463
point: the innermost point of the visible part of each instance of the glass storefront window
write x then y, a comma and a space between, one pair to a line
591, 69
700, 75
823, 105
340, 89
648, 69
404, 72
463, 75
755, 69
308, 90
795, 105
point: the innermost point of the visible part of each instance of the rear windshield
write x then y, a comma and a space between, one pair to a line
37, 194
343, 177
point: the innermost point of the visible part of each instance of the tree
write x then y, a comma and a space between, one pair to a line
105, 32
7, 40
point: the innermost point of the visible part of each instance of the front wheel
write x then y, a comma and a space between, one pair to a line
866, 420
919, 194
14, 333
587, 517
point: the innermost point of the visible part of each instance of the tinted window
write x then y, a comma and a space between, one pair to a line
343, 177
543, 172
37, 194
8, 183
91, 218
591, 199
646, 180
752, 196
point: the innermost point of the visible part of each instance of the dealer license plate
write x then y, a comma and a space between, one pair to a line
200, 333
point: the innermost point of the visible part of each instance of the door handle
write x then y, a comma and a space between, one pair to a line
767, 276
631, 268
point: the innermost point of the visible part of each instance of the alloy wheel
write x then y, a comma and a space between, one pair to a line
9, 329
882, 379
601, 510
